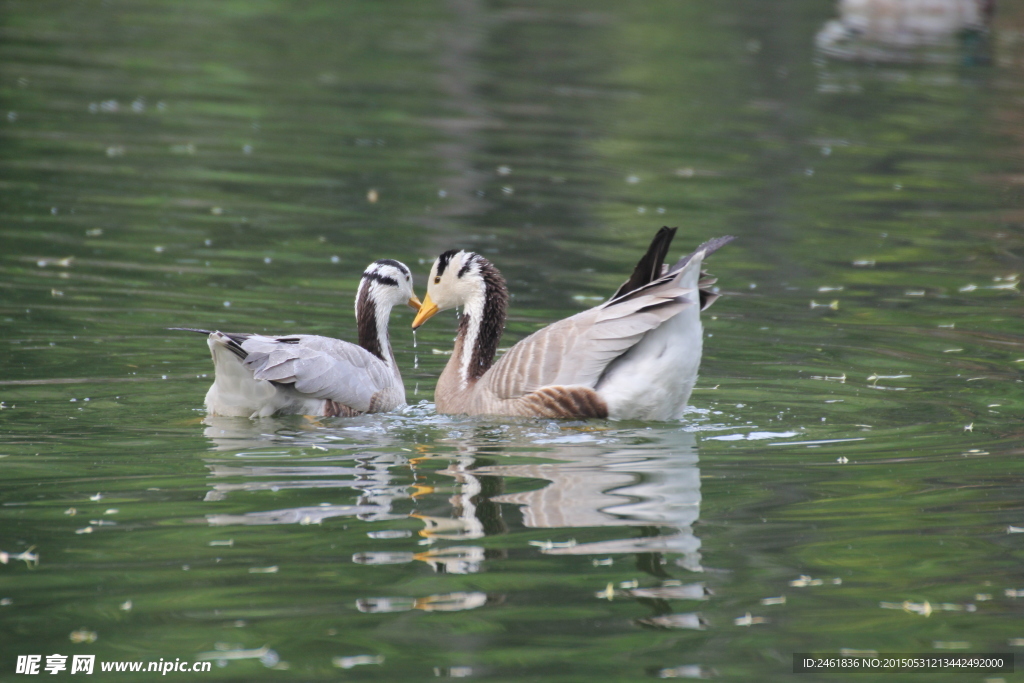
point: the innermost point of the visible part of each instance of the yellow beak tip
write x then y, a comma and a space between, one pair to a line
426, 311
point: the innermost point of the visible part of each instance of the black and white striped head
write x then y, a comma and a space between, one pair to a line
460, 278
386, 283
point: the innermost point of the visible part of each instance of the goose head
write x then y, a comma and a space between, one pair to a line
386, 283
457, 278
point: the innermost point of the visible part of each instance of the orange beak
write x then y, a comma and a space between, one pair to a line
428, 309
414, 303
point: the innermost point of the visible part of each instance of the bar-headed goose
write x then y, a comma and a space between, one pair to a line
633, 357
305, 374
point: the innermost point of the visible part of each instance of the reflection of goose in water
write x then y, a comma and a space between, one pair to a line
654, 484
265, 459
904, 30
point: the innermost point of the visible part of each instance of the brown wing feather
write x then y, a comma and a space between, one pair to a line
565, 402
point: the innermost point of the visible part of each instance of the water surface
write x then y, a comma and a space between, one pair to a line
847, 476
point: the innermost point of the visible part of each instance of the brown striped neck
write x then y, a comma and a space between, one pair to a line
482, 322
372, 322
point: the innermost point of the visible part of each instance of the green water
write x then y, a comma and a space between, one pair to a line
213, 164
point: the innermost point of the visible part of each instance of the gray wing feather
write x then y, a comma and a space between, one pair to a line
577, 350
320, 367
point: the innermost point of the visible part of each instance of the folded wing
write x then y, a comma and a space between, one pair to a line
318, 366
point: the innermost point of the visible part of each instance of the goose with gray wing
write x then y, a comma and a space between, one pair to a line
259, 375
635, 356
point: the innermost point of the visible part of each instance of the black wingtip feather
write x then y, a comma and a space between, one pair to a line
648, 268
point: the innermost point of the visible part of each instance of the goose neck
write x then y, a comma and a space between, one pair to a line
481, 325
372, 323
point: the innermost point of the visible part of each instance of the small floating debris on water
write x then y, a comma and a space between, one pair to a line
1015, 642
263, 570
830, 289
125, 606
6, 602
440, 352
914, 292
952, 350
781, 600
982, 597
842, 460
372, 196
504, 170
629, 585
71, 512
864, 263
111, 511
56, 293
969, 428
224, 652
96, 498
84, 530
950, 644
83, 635
1015, 530
686, 671
632, 179
357, 660
747, 620
226, 543
922, 608
803, 581
1014, 592
832, 305
975, 451
335, 259
102, 522
62, 262
950, 326
27, 556
839, 378
607, 594
604, 562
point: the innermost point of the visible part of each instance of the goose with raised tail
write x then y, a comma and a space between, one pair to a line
635, 356
305, 374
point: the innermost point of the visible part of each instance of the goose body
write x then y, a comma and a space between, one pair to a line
636, 356
259, 375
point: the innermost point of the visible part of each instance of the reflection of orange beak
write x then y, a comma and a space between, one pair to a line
421, 490
414, 303
428, 309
